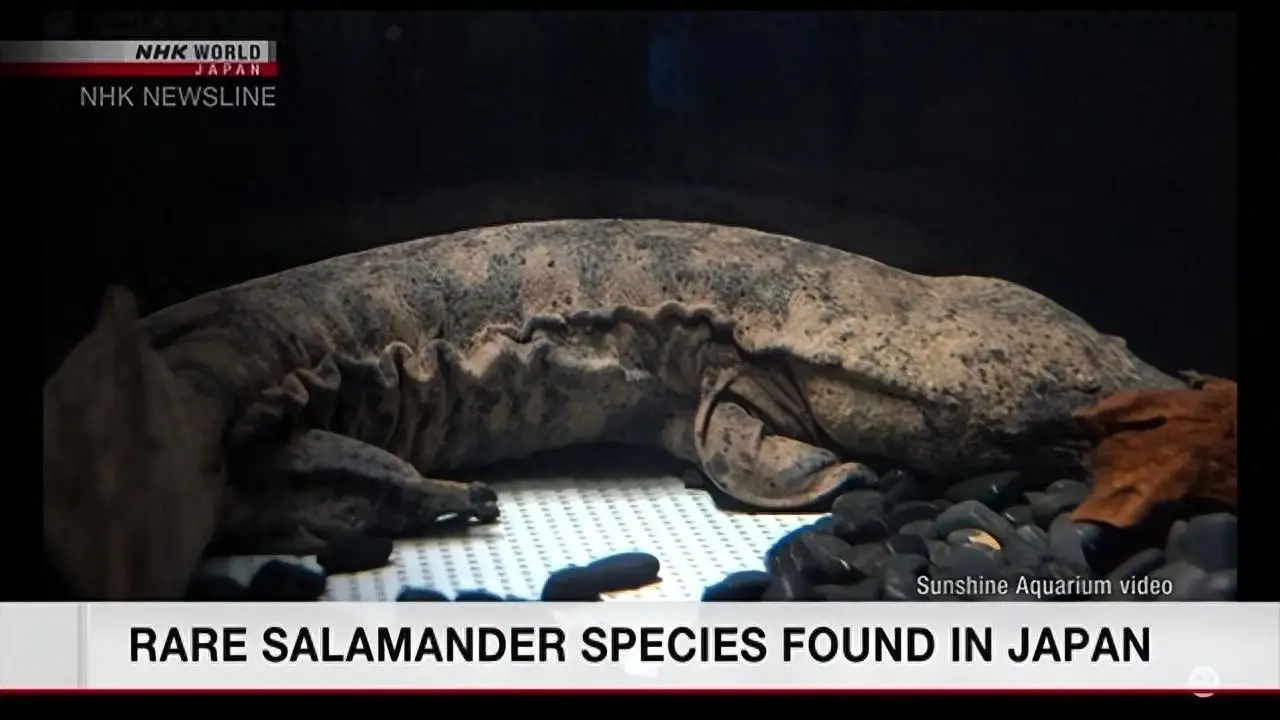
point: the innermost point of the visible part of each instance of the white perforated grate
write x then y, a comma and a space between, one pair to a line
548, 523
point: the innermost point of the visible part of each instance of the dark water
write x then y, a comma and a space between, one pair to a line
1090, 156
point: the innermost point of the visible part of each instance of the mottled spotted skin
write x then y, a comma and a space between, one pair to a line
336, 397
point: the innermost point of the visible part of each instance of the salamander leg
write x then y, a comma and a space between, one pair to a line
753, 444
321, 486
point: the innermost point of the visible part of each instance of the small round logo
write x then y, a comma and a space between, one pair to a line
1204, 678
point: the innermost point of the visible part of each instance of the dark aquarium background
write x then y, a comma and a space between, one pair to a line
1091, 157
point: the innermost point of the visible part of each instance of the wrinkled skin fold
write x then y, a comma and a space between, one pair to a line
344, 396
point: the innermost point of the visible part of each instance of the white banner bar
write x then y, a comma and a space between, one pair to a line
40, 646
636, 645
157, 51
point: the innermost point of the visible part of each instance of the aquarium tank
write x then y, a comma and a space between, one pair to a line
621, 306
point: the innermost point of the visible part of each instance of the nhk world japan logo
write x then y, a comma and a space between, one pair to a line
139, 58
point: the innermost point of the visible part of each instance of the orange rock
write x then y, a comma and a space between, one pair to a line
1160, 446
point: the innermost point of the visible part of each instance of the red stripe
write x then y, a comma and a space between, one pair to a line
140, 69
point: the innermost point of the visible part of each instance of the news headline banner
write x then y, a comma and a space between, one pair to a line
995, 646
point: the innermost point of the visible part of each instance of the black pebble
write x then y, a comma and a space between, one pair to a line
848, 504
1059, 569
1015, 573
867, 590
1060, 497
1075, 542
900, 487
926, 529
900, 577
825, 524
994, 558
278, 580
1172, 546
813, 556
939, 551
215, 588
789, 588
966, 562
625, 571
780, 558
1209, 542
418, 594
971, 514
1066, 541
357, 553
995, 490
868, 558
477, 596
1068, 487
571, 584
828, 559
967, 536
1018, 515
746, 585
909, 512
907, 545
1024, 555
1034, 535
865, 525
1184, 576
1140, 565
1217, 586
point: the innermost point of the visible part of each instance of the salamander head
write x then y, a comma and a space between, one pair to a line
127, 510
